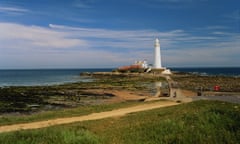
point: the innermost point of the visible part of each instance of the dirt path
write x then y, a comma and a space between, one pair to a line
94, 116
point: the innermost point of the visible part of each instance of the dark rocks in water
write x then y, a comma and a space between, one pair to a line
36, 98
85, 74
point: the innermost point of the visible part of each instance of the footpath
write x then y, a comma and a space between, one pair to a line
93, 116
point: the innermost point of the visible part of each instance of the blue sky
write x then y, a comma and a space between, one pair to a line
112, 33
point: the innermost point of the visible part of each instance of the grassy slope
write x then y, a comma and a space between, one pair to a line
197, 122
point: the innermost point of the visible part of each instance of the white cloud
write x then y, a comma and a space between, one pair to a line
173, 1
234, 15
13, 10
123, 39
64, 46
171, 4
32, 37
217, 27
83, 3
216, 53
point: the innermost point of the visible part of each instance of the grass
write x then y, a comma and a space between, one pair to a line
196, 122
51, 136
81, 110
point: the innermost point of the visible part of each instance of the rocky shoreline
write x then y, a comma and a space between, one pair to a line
107, 87
206, 83
28, 99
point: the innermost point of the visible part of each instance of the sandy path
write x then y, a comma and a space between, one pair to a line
93, 116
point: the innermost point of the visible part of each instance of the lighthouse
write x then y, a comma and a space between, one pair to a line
157, 62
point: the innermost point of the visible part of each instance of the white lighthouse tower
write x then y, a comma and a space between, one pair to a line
157, 62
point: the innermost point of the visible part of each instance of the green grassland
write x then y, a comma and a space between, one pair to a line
196, 122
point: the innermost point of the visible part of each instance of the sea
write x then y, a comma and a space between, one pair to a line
217, 71
45, 77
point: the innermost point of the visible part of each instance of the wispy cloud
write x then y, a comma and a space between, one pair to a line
234, 15
124, 39
210, 28
172, 1
13, 10
65, 46
172, 4
83, 3
16, 35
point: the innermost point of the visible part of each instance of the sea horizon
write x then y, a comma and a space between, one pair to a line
57, 76
60, 68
